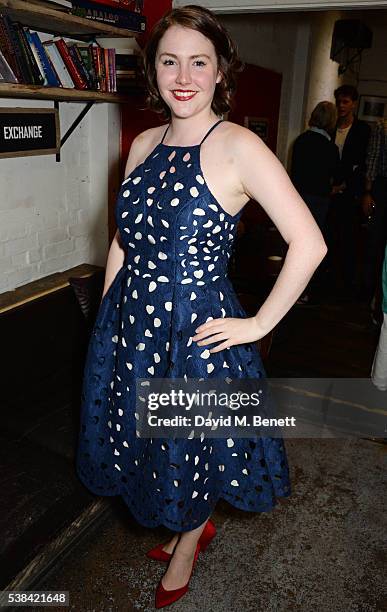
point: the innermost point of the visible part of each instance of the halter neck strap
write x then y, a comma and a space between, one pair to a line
210, 130
161, 141
208, 133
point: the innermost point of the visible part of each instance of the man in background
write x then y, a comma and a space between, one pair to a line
351, 137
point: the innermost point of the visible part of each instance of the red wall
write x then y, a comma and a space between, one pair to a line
153, 10
258, 95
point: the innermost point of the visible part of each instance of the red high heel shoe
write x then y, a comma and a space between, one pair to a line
165, 597
208, 533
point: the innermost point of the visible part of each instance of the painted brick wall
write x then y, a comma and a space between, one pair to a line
53, 216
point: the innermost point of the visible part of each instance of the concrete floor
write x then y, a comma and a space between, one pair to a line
322, 549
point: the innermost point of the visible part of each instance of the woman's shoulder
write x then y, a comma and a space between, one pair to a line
240, 140
237, 133
148, 139
142, 145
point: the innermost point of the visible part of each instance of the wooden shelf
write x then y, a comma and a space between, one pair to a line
38, 288
62, 94
58, 22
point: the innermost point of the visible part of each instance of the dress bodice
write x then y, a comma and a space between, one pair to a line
173, 228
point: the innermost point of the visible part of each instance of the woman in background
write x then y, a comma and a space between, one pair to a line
315, 169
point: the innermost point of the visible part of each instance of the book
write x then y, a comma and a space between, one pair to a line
109, 62
31, 75
108, 83
58, 63
36, 56
37, 77
136, 6
97, 67
102, 68
49, 70
78, 79
7, 50
117, 17
6, 73
16, 59
125, 60
85, 51
128, 70
77, 59
112, 60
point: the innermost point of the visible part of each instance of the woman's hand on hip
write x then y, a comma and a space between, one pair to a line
229, 331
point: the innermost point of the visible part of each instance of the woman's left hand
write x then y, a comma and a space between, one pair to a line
229, 330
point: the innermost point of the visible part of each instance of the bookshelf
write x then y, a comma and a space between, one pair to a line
60, 23
60, 94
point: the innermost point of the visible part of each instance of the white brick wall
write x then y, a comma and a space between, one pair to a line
53, 216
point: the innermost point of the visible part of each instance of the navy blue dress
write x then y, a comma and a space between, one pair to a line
177, 240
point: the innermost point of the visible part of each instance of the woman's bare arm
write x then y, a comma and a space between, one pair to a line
264, 179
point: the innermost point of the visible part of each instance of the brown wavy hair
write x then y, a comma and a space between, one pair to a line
204, 21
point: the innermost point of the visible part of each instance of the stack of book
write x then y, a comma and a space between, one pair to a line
129, 78
125, 14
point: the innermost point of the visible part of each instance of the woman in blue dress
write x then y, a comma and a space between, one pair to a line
169, 309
